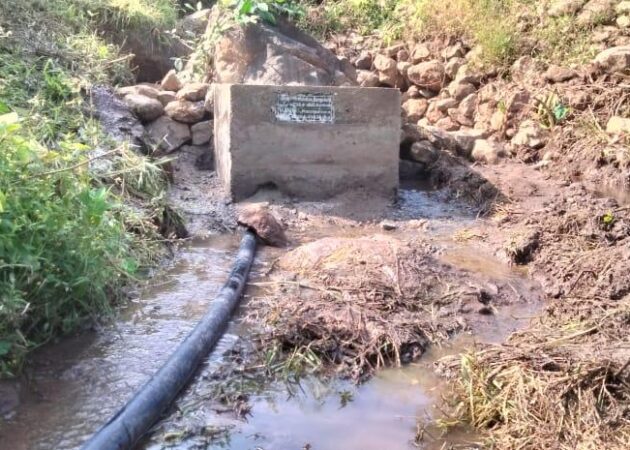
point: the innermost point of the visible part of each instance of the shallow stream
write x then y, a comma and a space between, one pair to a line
74, 386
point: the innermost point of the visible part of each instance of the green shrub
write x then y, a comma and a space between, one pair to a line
63, 247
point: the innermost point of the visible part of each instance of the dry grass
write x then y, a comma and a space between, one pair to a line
359, 304
562, 384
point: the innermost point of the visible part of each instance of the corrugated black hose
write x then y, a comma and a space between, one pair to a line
130, 423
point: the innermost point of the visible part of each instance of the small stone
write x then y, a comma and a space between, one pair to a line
559, 74
193, 92
185, 111
413, 92
615, 59
388, 226
618, 125
402, 55
530, 134
420, 53
487, 151
168, 134
393, 50
623, 7
429, 75
258, 219
403, 67
447, 124
171, 82
623, 21
387, 70
565, 7
415, 109
456, 50
146, 108
202, 132
139, 89
467, 74
459, 90
424, 152
453, 65
445, 104
365, 78
364, 61
166, 97
468, 106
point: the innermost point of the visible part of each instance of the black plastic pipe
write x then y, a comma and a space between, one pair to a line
130, 423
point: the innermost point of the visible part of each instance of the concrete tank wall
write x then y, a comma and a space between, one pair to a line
310, 142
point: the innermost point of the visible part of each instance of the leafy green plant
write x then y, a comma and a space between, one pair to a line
550, 110
248, 11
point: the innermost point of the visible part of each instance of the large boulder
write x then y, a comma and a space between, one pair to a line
282, 55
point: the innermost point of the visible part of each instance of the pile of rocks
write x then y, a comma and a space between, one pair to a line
173, 113
455, 105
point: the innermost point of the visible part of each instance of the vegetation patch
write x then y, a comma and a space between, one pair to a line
77, 210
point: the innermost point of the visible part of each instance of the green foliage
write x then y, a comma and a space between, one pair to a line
248, 11
63, 246
68, 238
550, 110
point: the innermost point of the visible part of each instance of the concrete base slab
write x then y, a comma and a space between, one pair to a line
309, 142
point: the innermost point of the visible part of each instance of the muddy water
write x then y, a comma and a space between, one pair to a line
75, 386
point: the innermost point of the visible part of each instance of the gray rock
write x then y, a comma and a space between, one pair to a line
185, 111
530, 134
424, 152
429, 75
171, 82
139, 89
202, 132
367, 79
364, 61
387, 70
117, 120
487, 151
615, 59
166, 97
461, 89
420, 53
193, 92
168, 134
147, 109
415, 109
559, 74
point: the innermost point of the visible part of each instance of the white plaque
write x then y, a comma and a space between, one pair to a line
304, 108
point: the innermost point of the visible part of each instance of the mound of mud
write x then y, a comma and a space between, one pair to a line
358, 304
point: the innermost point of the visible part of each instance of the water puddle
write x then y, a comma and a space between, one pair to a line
73, 387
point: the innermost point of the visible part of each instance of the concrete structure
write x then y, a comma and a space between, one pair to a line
310, 142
